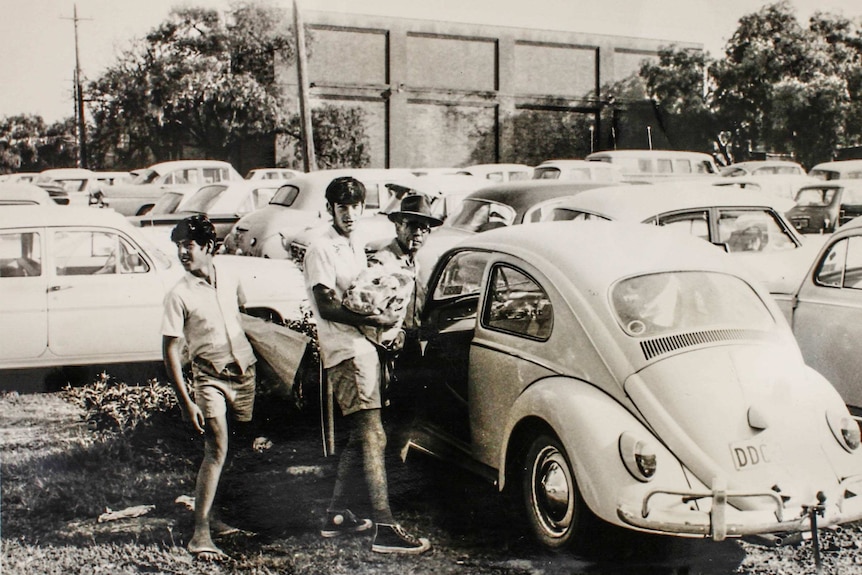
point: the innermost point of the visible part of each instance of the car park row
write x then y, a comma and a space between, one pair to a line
648, 343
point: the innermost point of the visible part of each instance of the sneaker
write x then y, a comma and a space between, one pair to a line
393, 539
341, 522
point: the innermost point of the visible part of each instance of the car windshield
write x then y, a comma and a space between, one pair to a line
815, 196
478, 215
146, 177
167, 203
285, 196
655, 304
546, 173
203, 199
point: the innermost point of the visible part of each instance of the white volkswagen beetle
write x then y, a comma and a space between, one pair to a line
632, 374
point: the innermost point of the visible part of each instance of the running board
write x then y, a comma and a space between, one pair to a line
441, 445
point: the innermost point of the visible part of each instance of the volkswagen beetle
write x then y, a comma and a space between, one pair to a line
629, 374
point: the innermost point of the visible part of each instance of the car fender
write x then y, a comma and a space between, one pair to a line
589, 424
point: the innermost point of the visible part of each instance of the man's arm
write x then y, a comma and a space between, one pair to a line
172, 353
331, 309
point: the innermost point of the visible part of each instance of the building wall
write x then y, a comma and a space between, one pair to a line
445, 94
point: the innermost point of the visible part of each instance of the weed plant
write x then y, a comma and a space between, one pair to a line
111, 405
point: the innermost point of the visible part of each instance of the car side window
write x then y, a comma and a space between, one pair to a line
752, 231
693, 223
518, 305
842, 265
20, 254
462, 275
85, 252
681, 167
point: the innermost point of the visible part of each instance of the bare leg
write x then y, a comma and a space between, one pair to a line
215, 452
373, 437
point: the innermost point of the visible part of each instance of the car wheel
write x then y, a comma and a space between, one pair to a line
556, 511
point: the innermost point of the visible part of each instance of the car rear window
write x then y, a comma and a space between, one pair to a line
654, 304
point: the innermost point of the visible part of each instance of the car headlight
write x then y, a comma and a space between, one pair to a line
638, 456
845, 429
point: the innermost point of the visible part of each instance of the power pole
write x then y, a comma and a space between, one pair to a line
308, 159
80, 120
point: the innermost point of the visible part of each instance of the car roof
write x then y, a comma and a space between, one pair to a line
24, 191
597, 253
852, 224
49, 216
523, 194
69, 173
502, 167
648, 154
839, 165
174, 164
638, 203
832, 184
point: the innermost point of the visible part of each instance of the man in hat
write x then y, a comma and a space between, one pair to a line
352, 367
413, 222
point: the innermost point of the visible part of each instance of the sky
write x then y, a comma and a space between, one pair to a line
37, 37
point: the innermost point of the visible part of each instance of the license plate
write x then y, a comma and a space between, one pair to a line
753, 454
800, 223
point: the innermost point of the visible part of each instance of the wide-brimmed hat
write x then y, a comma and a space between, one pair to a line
417, 207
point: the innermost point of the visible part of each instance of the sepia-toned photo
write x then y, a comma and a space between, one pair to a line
314, 286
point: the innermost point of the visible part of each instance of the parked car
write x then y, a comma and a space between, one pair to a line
826, 313
84, 287
763, 168
25, 177
223, 203
578, 170
640, 166
139, 196
445, 194
499, 205
498, 172
838, 170
24, 194
632, 375
113, 178
78, 183
752, 227
784, 186
272, 174
821, 208
299, 205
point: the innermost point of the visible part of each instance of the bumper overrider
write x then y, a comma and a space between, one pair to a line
683, 516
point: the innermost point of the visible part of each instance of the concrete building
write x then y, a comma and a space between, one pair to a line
447, 94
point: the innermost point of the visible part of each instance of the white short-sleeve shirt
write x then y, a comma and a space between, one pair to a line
208, 318
334, 261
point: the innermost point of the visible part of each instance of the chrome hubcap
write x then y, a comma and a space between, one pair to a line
552, 491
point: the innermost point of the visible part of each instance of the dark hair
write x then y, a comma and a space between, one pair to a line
345, 191
197, 228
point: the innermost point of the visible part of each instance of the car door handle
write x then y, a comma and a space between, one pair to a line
58, 288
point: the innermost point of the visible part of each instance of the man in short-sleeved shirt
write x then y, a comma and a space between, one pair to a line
352, 366
203, 309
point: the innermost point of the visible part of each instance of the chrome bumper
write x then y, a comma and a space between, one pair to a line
723, 520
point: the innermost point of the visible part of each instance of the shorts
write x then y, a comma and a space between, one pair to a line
355, 382
215, 392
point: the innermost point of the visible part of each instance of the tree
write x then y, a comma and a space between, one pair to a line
27, 144
677, 85
197, 80
340, 139
780, 87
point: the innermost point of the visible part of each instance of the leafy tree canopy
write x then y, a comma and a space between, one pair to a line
780, 87
202, 79
27, 144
